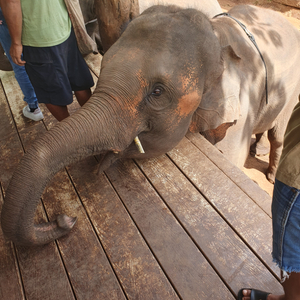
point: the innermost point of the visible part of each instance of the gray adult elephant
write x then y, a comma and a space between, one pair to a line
171, 70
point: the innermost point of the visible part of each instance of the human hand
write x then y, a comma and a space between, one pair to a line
16, 54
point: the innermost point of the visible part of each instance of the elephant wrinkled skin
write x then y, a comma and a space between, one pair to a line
172, 70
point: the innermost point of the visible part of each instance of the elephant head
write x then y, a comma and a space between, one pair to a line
152, 81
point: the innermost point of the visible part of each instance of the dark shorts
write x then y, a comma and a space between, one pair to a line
57, 71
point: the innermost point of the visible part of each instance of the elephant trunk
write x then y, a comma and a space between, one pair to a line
71, 140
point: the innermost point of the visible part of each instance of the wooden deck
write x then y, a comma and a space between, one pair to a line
186, 225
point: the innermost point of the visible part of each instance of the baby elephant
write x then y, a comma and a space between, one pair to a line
172, 70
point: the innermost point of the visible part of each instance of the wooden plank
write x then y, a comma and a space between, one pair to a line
10, 281
42, 269
138, 271
88, 268
7, 126
13, 91
11, 153
10, 145
258, 195
32, 261
179, 257
76, 257
228, 254
247, 219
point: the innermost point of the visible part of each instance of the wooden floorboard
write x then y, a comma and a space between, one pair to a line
213, 235
37, 267
185, 225
182, 261
10, 280
248, 219
259, 196
133, 262
74, 253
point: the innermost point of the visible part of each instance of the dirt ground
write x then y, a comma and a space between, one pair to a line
255, 167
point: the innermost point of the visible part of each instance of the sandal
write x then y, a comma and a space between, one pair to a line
255, 294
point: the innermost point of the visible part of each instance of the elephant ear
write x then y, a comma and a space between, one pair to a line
220, 101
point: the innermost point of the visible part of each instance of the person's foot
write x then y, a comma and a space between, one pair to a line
245, 294
35, 115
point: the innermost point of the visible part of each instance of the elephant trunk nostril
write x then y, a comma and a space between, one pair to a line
138, 144
66, 222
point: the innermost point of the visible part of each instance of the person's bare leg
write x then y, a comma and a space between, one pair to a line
291, 288
59, 112
83, 96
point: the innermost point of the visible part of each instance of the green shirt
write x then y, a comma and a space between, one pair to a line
46, 23
288, 170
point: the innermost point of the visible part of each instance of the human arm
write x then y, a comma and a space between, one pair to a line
13, 15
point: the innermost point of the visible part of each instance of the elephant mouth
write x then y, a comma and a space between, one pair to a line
106, 159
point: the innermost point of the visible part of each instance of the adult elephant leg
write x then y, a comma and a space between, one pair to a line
276, 142
113, 16
92, 29
276, 136
261, 145
4, 62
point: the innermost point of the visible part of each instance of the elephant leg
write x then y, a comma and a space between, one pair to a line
93, 31
275, 136
261, 145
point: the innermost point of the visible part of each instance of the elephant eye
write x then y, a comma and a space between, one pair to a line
159, 97
157, 92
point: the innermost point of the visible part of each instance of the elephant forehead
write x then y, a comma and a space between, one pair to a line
123, 52
189, 79
138, 95
142, 80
